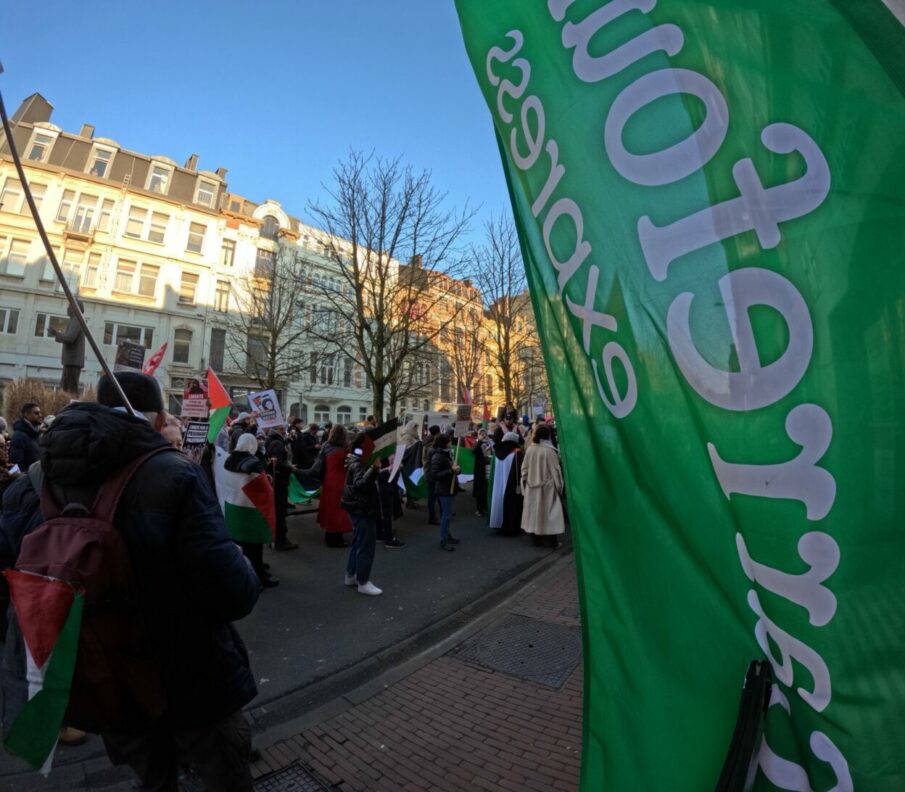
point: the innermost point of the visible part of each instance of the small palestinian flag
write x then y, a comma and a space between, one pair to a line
414, 485
36, 695
220, 405
379, 442
302, 491
248, 505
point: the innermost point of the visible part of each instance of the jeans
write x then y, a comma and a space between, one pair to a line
361, 553
446, 506
431, 502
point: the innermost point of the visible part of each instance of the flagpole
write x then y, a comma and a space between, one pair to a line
73, 303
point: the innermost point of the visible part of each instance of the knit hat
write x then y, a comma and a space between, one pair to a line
142, 391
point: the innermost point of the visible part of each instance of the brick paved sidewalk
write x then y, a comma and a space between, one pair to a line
452, 724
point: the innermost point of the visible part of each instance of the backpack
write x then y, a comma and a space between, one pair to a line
117, 683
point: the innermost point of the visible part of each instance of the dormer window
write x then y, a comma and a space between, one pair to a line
270, 227
99, 162
39, 149
205, 192
159, 178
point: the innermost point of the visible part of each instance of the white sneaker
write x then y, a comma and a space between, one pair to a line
370, 589
350, 580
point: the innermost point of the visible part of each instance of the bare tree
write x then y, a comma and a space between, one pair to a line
266, 336
388, 233
500, 275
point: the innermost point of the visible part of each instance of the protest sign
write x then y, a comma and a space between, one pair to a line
194, 398
194, 440
463, 419
267, 405
129, 356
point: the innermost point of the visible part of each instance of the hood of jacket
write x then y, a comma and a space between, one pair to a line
21, 425
88, 442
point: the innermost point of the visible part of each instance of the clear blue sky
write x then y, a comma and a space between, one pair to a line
276, 92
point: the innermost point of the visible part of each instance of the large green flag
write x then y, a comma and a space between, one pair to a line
710, 198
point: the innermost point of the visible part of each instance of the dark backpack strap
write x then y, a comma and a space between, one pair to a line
104, 507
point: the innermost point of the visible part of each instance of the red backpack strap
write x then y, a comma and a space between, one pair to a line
104, 507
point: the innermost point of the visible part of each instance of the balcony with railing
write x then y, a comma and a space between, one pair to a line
81, 227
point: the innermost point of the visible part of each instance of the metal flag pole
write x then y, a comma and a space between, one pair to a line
70, 297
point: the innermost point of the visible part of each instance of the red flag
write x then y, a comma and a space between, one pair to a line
466, 395
260, 493
153, 362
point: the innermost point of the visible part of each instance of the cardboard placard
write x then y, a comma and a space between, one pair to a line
194, 398
129, 356
267, 405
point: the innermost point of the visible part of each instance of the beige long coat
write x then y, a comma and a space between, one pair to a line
542, 486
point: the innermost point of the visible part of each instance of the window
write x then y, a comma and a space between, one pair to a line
11, 199
100, 160
147, 280
182, 340
312, 369
114, 333
426, 405
326, 369
205, 194
362, 413
234, 206
228, 253
264, 263
255, 352
48, 324
40, 147
343, 414
221, 297
136, 222
159, 179
187, 288
196, 238
158, 227
65, 205
92, 271
71, 262
84, 213
9, 321
16, 258
218, 345
347, 372
125, 274
488, 385
321, 413
270, 227
37, 193
103, 224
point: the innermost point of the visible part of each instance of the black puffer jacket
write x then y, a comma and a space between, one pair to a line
441, 470
23, 447
191, 579
360, 493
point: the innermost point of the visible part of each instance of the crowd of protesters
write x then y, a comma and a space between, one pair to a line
177, 518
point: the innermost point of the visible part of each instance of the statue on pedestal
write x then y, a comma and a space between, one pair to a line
73, 355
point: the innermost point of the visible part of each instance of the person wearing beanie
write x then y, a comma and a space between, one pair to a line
189, 583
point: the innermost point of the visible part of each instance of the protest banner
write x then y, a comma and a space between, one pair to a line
194, 398
709, 201
266, 404
463, 420
194, 440
129, 356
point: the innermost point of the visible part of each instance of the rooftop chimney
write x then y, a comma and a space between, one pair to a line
87, 131
221, 172
416, 261
192, 162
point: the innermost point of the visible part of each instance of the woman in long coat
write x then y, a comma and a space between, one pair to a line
329, 469
542, 485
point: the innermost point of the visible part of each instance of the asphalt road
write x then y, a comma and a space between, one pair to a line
311, 635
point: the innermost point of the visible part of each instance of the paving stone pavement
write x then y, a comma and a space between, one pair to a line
451, 725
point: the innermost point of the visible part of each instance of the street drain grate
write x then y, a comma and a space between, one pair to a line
530, 649
295, 778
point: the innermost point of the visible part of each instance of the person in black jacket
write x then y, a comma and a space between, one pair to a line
190, 581
442, 471
23, 446
361, 500
280, 469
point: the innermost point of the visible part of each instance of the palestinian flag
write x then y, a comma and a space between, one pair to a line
248, 503
303, 489
36, 694
379, 442
411, 474
219, 404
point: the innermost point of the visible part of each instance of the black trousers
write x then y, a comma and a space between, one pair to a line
219, 754
280, 495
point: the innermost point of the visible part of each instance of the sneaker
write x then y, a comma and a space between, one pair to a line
350, 580
394, 542
370, 589
452, 539
447, 547
286, 546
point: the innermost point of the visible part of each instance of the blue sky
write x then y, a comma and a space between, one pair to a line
276, 92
